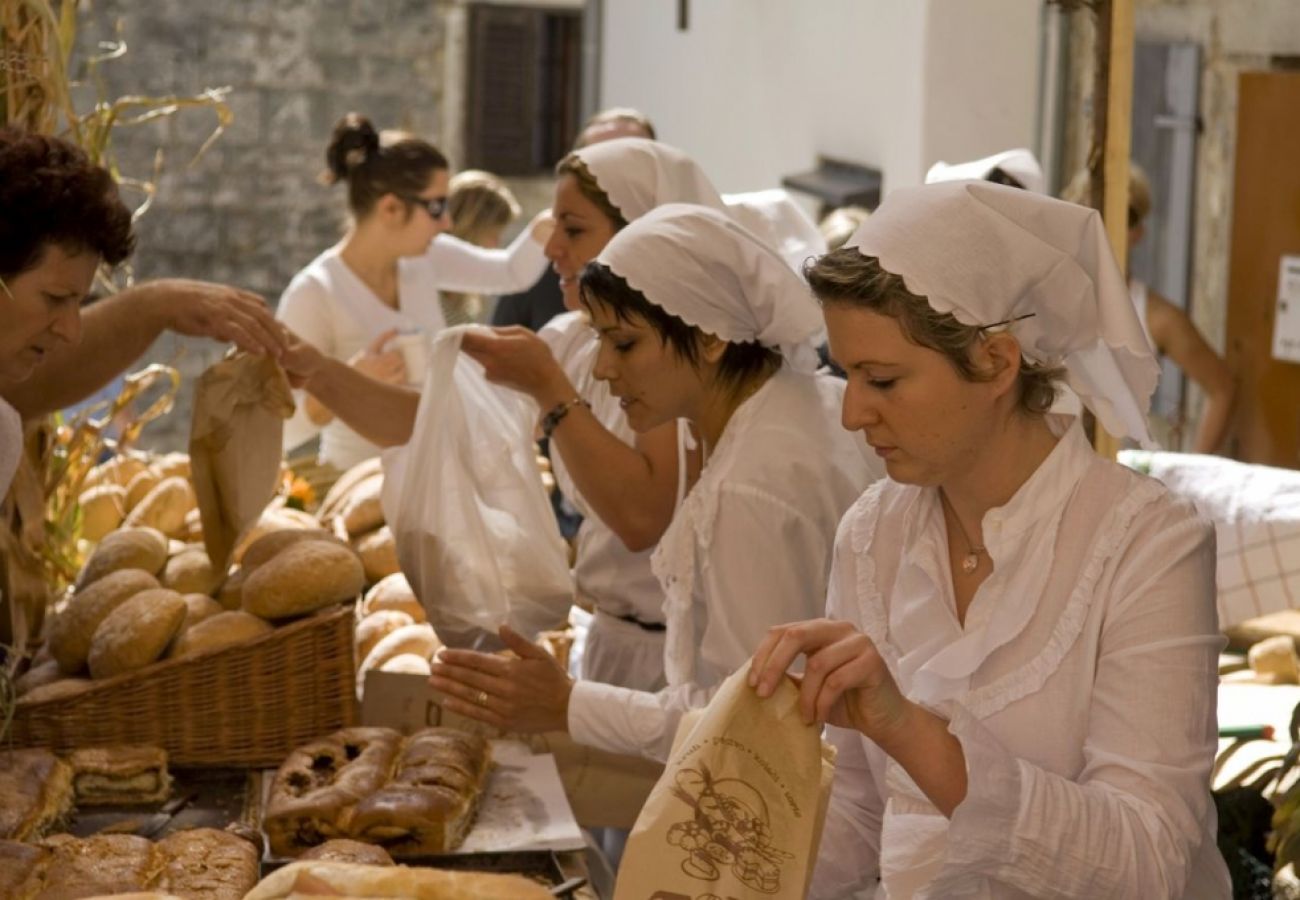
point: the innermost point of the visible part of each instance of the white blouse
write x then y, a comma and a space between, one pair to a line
749, 548
330, 307
1082, 689
11, 445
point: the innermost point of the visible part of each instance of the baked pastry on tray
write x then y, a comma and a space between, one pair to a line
35, 793
349, 880
347, 850
413, 796
107, 776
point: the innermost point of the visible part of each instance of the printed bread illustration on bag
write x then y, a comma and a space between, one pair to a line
738, 812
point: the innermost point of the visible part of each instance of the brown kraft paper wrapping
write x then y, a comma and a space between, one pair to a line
240, 405
739, 810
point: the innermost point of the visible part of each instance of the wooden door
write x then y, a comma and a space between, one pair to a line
1265, 227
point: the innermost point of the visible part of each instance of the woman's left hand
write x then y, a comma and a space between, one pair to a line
526, 694
518, 359
845, 681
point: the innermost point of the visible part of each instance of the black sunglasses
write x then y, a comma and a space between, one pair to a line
436, 207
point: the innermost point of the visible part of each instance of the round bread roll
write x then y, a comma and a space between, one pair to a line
193, 531
73, 629
378, 552
136, 633
362, 511
144, 482
376, 626
274, 518
231, 593
190, 572
103, 508
56, 690
339, 491
170, 464
126, 548
303, 578
407, 664
47, 672
165, 507
199, 608
345, 850
225, 629
416, 639
119, 471
393, 592
271, 543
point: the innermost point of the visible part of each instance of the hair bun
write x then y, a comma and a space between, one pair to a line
354, 142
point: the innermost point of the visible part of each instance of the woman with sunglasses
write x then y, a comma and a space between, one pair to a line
384, 276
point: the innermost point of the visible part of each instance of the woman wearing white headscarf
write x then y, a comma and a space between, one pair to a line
1014, 168
1020, 664
698, 319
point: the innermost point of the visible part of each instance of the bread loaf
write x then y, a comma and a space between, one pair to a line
408, 664
207, 863
119, 471
102, 509
231, 593
198, 608
346, 850
274, 518
190, 572
225, 629
417, 639
145, 481
71, 631
338, 493
47, 672
362, 511
126, 548
165, 507
374, 627
303, 578
136, 633
354, 880
55, 690
193, 530
270, 544
378, 552
177, 464
393, 592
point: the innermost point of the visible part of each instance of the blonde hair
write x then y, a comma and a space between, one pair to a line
839, 224
1079, 191
480, 205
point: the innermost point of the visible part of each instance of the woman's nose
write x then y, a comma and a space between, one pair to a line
858, 410
67, 324
604, 368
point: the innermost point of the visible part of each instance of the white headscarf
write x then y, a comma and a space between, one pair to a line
699, 265
991, 254
1020, 164
638, 174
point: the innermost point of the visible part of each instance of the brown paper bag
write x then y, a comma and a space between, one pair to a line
739, 810
240, 406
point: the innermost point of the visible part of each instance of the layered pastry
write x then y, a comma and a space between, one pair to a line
35, 793
412, 796
106, 776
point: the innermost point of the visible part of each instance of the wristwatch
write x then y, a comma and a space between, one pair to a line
557, 414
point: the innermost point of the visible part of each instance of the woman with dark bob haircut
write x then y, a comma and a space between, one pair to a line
1020, 661
60, 219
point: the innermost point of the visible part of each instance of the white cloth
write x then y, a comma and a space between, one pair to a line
617, 581
330, 307
638, 174
1082, 688
991, 254
1256, 516
749, 548
704, 268
774, 216
1137, 292
1020, 164
11, 445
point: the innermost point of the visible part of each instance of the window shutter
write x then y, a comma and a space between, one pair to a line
502, 135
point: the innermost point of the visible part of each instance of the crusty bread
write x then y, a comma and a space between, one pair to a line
273, 518
145, 481
352, 880
393, 592
136, 633
55, 690
38, 675
165, 506
101, 864
126, 548
198, 608
231, 593
72, 630
303, 578
225, 629
190, 572
20, 865
374, 627
363, 510
338, 493
408, 664
207, 863
103, 508
124, 774
119, 471
173, 464
347, 850
35, 793
270, 544
418, 639
378, 552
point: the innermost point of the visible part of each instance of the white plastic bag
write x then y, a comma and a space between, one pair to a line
475, 532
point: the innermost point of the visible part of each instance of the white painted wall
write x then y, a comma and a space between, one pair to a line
756, 89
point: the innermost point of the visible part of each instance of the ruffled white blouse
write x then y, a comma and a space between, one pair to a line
1082, 688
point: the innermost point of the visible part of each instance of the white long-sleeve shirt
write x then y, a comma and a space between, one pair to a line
11, 445
330, 307
1082, 689
749, 548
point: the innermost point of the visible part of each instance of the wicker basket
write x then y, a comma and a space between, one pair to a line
247, 705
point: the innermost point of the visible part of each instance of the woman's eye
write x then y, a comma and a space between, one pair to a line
572, 233
624, 346
882, 384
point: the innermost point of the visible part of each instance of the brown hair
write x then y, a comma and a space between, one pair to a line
480, 203
590, 188
617, 114
849, 277
51, 193
375, 164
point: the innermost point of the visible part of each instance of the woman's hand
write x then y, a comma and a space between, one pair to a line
301, 360
526, 694
516, 358
220, 312
381, 362
542, 226
845, 682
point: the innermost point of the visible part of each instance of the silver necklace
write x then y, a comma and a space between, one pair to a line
970, 562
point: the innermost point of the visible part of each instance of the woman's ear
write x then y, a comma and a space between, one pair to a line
711, 348
998, 356
391, 209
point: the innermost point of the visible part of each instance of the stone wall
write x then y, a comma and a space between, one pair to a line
250, 212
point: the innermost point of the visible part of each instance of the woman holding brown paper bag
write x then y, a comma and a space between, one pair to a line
1021, 661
